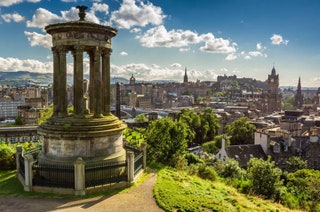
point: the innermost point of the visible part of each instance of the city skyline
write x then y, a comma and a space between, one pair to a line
158, 39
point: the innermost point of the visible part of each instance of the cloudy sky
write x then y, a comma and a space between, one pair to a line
157, 39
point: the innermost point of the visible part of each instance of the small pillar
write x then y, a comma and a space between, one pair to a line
28, 162
130, 162
144, 152
79, 176
18, 153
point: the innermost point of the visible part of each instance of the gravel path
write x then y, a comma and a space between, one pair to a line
137, 199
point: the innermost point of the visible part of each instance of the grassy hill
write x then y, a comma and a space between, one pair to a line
178, 191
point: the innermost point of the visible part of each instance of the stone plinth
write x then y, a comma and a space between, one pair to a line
93, 139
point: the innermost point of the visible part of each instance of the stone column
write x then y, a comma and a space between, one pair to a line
62, 85
97, 83
28, 162
91, 83
106, 89
144, 152
78, 81
56, 68
130, 162
79, 177
18, 153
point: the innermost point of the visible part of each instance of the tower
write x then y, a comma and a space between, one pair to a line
132, 80
90, 131
298, 97
273, 96
185, 78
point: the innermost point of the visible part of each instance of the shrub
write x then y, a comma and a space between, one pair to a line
193, 159
207, 172
7, 156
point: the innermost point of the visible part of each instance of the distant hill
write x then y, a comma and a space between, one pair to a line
24, 77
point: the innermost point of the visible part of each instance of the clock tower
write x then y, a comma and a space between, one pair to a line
273, 95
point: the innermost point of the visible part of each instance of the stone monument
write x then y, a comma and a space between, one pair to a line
90, 131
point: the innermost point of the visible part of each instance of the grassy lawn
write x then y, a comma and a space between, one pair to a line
178, 191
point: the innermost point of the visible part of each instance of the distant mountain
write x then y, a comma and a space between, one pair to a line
25, 77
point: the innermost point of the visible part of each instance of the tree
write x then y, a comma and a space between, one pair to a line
295, 163
192, 121
18, 121
209, 125
264, 176
141, 118
241, 131
166, 140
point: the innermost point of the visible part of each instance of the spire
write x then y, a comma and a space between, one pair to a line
185, 78
273, 71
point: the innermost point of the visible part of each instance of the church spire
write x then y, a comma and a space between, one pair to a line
298, 100
185, 78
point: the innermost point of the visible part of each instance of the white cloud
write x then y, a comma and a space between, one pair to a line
97, 7
42, 18
231, 56
260, 47
247, 57
255, 54
176, 65
160, 37
184, 49
123, 53
69, 1
277, 40
36, 39
15, 64
6, 3
135, 30
130, 14
217, 45
15, 17
154, 72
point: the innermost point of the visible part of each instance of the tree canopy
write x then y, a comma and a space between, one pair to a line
241, 131
166, 140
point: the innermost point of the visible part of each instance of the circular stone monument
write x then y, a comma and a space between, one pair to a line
90, 131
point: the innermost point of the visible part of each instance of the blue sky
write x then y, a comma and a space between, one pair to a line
157, 39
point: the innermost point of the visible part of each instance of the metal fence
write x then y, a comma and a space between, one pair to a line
105, 173
60, 176
138, 156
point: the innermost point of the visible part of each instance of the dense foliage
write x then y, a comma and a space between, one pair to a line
166, 139
241, 131
8, 151
202, 127
141, 118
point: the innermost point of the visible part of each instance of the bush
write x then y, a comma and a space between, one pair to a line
232, 170
207, 172
179, 162
193, 159
7, 156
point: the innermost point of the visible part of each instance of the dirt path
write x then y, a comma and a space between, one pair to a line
138, 199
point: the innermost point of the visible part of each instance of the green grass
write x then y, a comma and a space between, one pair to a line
178, 191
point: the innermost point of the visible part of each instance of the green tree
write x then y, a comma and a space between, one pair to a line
192, 121
45, 114
18, 121
241, 131
141, 118
166, 140
295, 163
264, 176
209, 125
